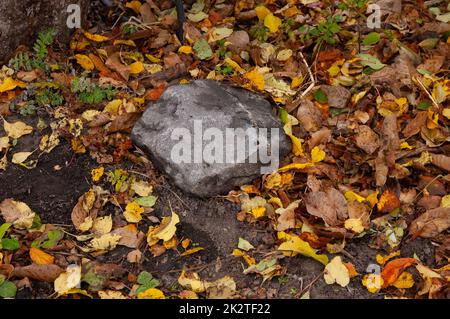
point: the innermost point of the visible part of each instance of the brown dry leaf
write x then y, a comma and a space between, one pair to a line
134, 256
123, 122
366, 139
431, 223
287, 216
415, 125
130, 236
381, 169
17, 213
86, 209
114, 63
331, 206
309, 116
46, 273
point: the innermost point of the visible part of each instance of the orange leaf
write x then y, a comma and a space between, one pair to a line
40, 257
394, 268
155, 94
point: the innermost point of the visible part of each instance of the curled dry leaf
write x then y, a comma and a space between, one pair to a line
46, 273
330, 205
441, 161
431, 223
87, 208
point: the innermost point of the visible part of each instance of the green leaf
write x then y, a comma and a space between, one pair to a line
202, 49
10, 244
3, 229
283, 116
424, 105
320, 96
147, 201
8, 290
370, 61
371, 38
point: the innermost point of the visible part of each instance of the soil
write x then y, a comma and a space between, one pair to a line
211, 223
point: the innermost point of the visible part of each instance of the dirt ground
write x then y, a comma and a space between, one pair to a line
52, 190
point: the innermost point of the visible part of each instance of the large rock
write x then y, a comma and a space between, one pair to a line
169, 132
21, 20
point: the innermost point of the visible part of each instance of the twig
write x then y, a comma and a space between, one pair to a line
311, 76
415, 79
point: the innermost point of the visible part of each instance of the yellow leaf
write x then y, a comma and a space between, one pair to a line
373, 199
17, 129
234, 65
406, 146
4, 143
167, 228
373, 282
296, 82
258, 212
185, 49
142, 188
296, 245
85, 62
191, 251
404, 281
125, 42
355, 225
97, 173
192, 282
111, 294
445, 201
262, 12
272, 22
89, 115
67, 280
297, 147
295, 166
105, 242
256, 79
446, 113
317, 155
384, 259
133, 212
9, 84
40, 257
334, 70
95, 37
113, 106
136, 67
336, 272
20, 157
351, 196
185, 243
134, 5
102, 225
151, 293
77, 146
